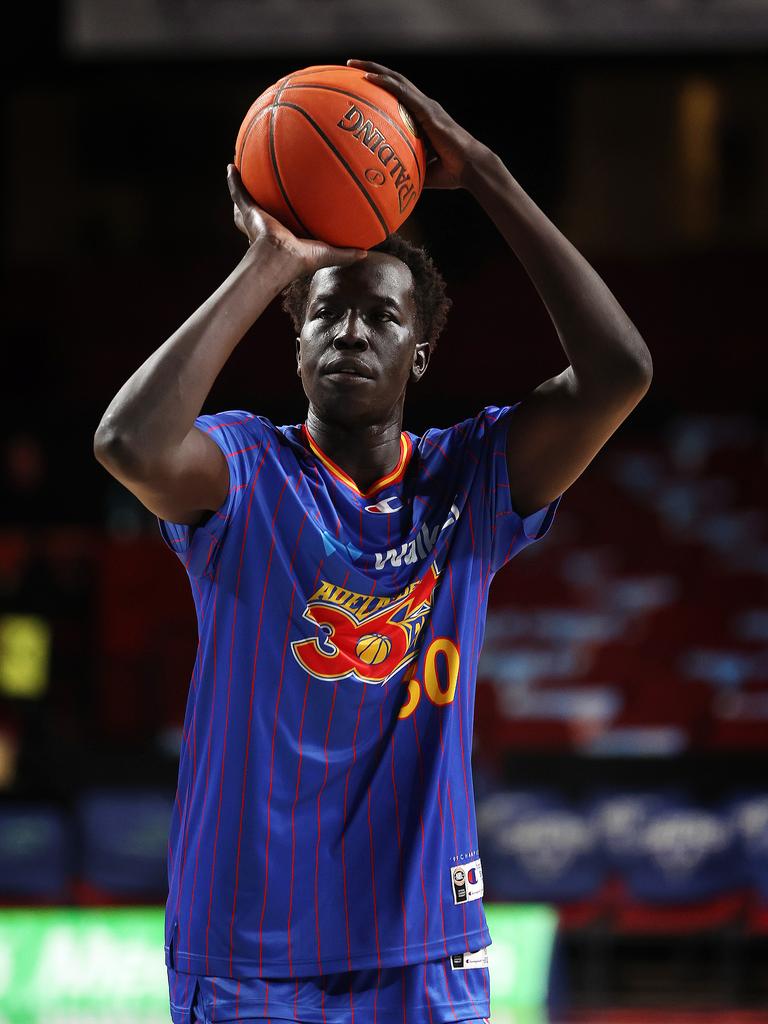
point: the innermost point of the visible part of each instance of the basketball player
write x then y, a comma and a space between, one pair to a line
323, 862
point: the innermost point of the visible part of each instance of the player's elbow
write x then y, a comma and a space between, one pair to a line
644, 365
632, 369
114, 450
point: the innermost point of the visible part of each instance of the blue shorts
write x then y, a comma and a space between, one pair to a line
434, 992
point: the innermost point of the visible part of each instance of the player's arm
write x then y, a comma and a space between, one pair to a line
147, 438
560, 426
558, 429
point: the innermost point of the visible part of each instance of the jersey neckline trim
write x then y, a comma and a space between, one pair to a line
406, 449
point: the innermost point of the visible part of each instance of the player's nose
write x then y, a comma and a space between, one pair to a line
351, 332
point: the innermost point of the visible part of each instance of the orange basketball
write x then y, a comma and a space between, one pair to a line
331, 156
373, 648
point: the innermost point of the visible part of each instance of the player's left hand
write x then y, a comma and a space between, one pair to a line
452, 146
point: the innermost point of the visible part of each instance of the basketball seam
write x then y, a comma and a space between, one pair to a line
341, 159
321, 69
362, 99
273, 158
248, 130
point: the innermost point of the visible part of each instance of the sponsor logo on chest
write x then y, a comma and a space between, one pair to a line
419, 547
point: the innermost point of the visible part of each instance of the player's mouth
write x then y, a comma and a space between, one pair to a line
347, 371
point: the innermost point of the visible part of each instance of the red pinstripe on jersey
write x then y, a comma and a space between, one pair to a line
319, 797
373, 884
229, 423
274, 730
249, 448
442, 818
461, 726
483, 590
296, 793
293, 809
317, 847
248, 733
436, 447
399, 852
448, 989
421, 859
343, 834
193, 729
229, 692
461, 717
456, 845
208, 763
205, 798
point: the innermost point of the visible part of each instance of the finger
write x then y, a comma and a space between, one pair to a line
400, 87
330, 256
374, 70
231, 183
239, 222
369, 65
406, 92
236, 188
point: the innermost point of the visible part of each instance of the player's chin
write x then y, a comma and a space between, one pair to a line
346, 389
350, 403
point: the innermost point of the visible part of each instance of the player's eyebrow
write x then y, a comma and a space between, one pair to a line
387, 300
383, 300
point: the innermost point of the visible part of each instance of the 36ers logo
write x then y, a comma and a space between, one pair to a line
364, 637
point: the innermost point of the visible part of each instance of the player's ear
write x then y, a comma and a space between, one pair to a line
298, 357
421, 355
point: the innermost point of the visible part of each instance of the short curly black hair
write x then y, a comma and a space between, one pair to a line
432, 302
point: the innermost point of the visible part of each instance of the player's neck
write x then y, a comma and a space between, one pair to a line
364, 452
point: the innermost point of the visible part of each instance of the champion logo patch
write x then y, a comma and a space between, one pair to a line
467, 882
386, 506
464, 961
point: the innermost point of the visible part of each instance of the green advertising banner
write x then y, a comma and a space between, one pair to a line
82, 966
520, 954
66, 958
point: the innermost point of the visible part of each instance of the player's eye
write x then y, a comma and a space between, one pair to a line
323, 313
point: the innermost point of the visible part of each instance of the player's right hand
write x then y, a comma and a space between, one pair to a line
258, 225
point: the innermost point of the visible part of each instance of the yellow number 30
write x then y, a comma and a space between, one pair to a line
438, 695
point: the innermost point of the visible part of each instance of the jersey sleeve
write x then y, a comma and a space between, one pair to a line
509, 532
240, 435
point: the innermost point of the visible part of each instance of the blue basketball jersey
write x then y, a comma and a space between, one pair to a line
324, 819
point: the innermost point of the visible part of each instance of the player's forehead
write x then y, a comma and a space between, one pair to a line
378, 278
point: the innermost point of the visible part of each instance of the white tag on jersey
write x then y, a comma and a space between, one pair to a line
463, 961
467, 881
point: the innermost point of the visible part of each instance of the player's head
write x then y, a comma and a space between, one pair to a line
381, 316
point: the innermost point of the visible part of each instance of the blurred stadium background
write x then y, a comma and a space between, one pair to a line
621, 743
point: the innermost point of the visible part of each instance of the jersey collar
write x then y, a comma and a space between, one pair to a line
406, 448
